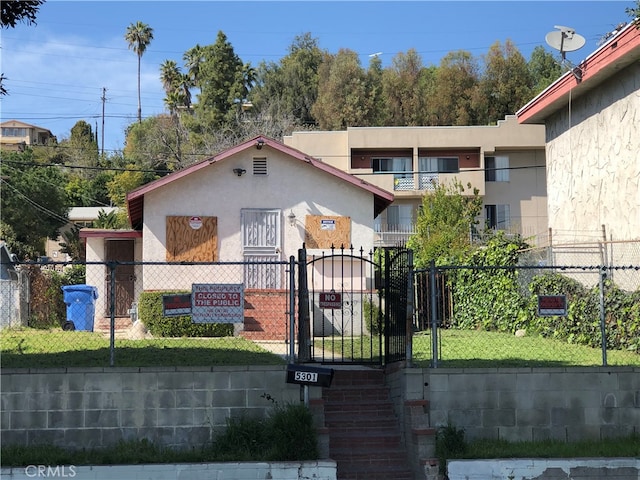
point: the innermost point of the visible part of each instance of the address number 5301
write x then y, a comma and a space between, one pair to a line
311, 377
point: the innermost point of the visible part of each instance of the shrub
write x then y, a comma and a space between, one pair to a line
150, 313
372, 316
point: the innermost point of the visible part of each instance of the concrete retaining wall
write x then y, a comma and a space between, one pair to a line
525, 404
545, 469
323, 470
97, 407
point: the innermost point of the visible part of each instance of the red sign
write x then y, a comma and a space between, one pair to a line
176, 305
550, 305
330, 300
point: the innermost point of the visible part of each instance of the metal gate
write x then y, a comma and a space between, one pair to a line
350, 306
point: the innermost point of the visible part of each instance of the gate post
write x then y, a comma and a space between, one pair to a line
292, 311
304, 330
112, 312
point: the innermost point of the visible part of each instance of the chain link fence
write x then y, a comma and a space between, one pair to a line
146, 314
177, 314
475, 316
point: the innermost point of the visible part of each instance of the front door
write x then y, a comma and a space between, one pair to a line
261, 243
120, 251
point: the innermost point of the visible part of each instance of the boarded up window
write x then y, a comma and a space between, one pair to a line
192, 239
323, 231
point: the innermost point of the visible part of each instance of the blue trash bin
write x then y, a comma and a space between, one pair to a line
81, 306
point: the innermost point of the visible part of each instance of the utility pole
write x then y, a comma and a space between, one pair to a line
104, 99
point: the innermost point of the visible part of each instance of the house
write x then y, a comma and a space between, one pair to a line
80, 217
505, 162
259, 201
16, 134
592, 120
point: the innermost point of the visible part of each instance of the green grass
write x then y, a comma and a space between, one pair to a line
22, 348
477, 349
480, 349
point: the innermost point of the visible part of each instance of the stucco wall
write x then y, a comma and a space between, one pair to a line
593, 161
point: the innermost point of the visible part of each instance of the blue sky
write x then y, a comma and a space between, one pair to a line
56, 70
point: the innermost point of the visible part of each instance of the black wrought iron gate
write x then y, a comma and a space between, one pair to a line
352, 306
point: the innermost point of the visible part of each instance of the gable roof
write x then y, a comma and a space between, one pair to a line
18, 123
135, 198
620, 51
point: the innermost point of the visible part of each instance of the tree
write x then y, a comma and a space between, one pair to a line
543, 68
33, 203
221, 83
81, 149
23, 11
404, 95
505, 86
139, 36
445, 223
634, 13
342, 96
290, 87
456, 80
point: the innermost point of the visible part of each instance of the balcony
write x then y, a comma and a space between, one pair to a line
403, 182
392, 235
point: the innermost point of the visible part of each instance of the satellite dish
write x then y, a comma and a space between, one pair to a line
565, 39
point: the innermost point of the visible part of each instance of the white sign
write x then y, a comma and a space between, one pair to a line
195, 222
327, 224
217, 303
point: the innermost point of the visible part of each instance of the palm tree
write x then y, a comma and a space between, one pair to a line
139, 36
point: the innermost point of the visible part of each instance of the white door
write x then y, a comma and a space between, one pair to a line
261, 242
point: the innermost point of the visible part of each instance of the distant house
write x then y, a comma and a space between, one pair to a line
505, 162
259, 201
80, 217
592, 120
16, 135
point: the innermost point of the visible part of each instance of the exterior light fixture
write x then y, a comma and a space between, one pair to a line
292, 218
239, 171
259, 144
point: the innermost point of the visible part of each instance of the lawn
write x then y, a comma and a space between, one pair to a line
33, 348
22, 348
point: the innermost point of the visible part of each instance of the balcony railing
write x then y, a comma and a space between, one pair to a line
426, 181
392, 235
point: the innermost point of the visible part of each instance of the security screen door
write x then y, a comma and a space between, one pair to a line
261, 234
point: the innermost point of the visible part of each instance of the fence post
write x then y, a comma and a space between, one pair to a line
112, 313
292, 311
410, 308
434, 314
304, 331
603, 320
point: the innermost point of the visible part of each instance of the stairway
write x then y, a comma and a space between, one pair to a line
365, 438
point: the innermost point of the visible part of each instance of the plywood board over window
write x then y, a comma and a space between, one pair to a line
324, 231
192, 239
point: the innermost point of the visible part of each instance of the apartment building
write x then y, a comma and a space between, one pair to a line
504, 162
16, 135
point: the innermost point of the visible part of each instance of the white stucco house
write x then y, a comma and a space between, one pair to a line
592, 120
259, 201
